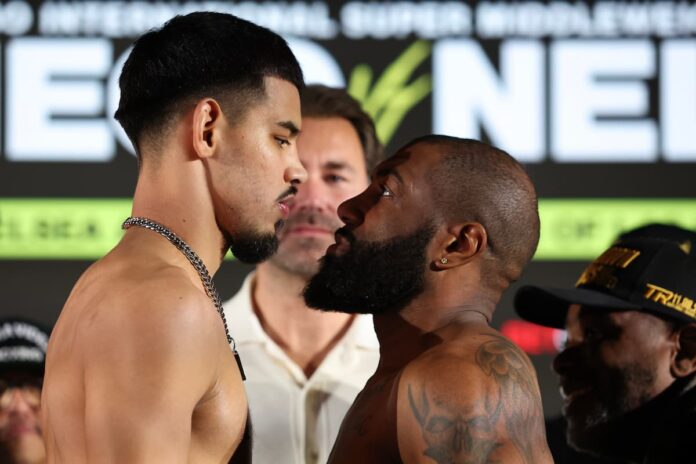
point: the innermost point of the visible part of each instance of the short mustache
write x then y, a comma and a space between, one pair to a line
291, 191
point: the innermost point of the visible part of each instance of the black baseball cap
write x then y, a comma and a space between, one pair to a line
652, 269
22, 347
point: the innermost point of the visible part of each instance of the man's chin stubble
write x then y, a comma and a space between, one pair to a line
301, 261
254, 249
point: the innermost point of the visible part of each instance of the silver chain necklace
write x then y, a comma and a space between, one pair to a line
198, 265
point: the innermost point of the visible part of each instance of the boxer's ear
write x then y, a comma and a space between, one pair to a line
205, 127
463, 243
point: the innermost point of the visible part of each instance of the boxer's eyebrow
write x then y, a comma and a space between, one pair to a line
289, 125
390, 171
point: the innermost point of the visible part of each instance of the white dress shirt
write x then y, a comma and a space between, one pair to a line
295, 420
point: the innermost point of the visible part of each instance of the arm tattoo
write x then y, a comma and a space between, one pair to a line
470, 432
457, 434
512, 372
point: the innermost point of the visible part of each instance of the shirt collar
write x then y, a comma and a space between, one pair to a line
244, 325
362, 333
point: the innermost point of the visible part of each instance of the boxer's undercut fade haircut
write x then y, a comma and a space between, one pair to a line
199, 55
480, 183
320, 101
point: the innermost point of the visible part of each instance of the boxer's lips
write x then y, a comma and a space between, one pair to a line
341, 246
284, 207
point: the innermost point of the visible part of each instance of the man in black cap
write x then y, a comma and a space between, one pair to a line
627, 373
22, 354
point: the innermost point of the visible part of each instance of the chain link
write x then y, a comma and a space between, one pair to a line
197, 264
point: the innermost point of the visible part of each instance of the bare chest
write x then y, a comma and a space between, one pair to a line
368, 432
219, 421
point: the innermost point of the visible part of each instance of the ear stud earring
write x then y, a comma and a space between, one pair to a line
443, 260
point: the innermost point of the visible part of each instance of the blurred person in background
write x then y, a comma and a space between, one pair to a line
305, 367
628, 371
22, 355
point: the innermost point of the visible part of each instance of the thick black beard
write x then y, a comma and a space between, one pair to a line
371, 277
252, 248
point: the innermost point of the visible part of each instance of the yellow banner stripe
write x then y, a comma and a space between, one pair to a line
581, 229
86, 229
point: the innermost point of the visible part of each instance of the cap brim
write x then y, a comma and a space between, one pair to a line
548, 306
31, 368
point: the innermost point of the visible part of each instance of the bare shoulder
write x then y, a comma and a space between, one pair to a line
141, 314
152, 342
472, 400
170, 308
476, 362
145, 350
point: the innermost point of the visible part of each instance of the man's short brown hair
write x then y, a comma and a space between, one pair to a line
319, 101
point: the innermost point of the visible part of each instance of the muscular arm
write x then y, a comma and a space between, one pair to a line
472, 409
148, 368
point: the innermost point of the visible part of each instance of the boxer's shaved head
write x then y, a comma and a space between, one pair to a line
476, 182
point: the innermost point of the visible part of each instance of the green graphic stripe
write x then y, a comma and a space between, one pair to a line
574, 229
60, 228
571, 229
392, 96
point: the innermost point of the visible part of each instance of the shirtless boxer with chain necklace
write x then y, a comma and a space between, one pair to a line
138, 368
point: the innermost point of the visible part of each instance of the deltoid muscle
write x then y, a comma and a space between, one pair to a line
470, 431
